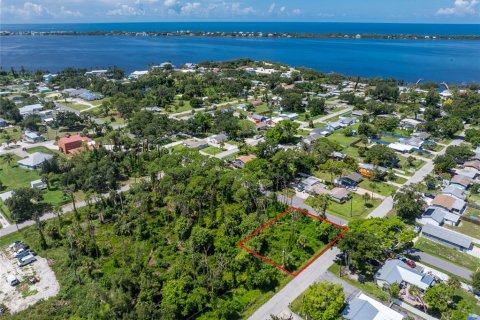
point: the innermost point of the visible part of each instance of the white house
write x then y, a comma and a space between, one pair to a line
216, 140
34, 161
438, 216
364, 307
38, 184
30, 109
397, 271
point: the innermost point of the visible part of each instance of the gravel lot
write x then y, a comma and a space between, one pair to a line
25, 294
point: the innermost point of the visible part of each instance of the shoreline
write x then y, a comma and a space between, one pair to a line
280, 35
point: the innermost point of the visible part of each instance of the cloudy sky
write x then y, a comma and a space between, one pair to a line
58, 11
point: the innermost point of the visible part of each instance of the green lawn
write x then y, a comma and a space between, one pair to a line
339, 136
352, 209
177, 108
467, 227
417, 164
14, 177
5, 211
262, 109
14, 133
380, 188
352, 152
76, 106
55, 197
452, 255
212, 150
43, 150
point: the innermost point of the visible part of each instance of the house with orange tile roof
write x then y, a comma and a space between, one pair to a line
73, 144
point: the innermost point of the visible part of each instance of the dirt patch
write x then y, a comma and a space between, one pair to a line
25, 294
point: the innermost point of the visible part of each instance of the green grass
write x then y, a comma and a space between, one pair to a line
186, 107
368, 287
452, 255
262, 109
5, 211
291, 241
339, 136
15, 133
14, 177
352, 152
55, 197
417, 164
380, 188
43, 150
356, 205
467, 227
212, 150
76, 106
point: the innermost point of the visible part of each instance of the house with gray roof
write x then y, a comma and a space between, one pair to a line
324, 131
217, 139
364, 307
438, 216
454, 192
397, 271
30, 109
447, 237
308, 140
34, 161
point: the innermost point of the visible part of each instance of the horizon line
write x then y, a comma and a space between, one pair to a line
231, 22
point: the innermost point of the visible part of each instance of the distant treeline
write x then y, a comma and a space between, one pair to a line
243, 35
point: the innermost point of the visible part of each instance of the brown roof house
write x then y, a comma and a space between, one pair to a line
449, 203
475, 164
240, 162
461, 181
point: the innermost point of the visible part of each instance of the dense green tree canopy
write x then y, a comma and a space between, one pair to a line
324, 301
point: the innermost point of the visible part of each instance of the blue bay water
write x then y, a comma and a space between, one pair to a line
438, 60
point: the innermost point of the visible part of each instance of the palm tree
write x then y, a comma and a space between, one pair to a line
8, 158
70, 191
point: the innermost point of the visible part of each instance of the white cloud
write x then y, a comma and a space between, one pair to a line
460, 8
170, 3
190, 8
69, 13
28, 11
271, 8
126, 10
296, 11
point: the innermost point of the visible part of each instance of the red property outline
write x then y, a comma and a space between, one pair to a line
258, 255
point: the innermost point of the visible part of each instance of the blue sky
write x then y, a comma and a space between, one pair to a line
421, 11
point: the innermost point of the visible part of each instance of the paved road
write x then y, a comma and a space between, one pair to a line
280, 301
444, 265
49, 215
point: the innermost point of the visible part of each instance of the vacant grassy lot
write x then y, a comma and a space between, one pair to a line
13, 133
212, 150
351, 209
291, 241
381, 188
43, 150
462, 259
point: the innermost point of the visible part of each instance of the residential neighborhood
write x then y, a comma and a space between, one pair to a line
366, 188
